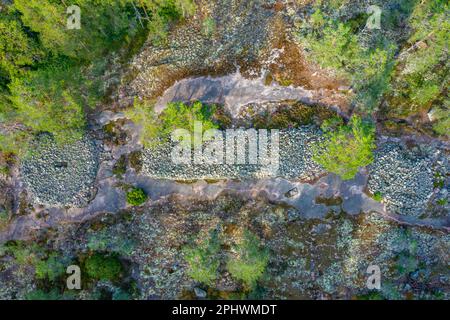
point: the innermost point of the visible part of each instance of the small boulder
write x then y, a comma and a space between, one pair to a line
200, 293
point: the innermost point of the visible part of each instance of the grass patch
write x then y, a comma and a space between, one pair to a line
346, 148
120, 167
158, 129
103, 267
202, 259
136, 197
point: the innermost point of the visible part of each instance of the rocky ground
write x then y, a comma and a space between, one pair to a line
294, 160
62, 175
409, 180
321, 233
310, 259
255, 37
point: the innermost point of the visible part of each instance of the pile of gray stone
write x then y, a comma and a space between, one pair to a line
61, 175
405, 177
294, 160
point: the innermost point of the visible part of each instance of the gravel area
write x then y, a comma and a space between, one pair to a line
405, 178
61, 176
294, 156
239, 34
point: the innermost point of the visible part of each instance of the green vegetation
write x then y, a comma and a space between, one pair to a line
48, 100
203, 260
250, 260
106, 241
439, 180
24, 254
136, 196
407, 67
377, 196
347, 148
209, 26
290, 116
4, 218
47, 265
119, 294
44, 295
156, 129
407, 259
247, 261
51, 76
120, 167
336, 45
135, 160
442, 122
372, 295
423, 67
50, 269
103, 267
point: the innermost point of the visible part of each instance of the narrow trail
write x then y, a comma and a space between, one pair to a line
300, 196
234, 91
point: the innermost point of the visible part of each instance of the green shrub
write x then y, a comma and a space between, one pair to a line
422, 77
25, 254
202, 259
50, 75
250, 261
53, 295
390, 291
209, 26
136, 197
4, 218
46, 265
43, 295
163, 12
368, 68
143, 115
120, 294
439, 180
120, 167
442, 122
17, 50
407, 263
48, 100
50, 269
157, 129
291, 117
346, 149
339, 36
377, 196
372, 295
103, 267
104, 26
135, 160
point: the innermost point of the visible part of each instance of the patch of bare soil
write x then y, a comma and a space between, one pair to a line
291, 68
